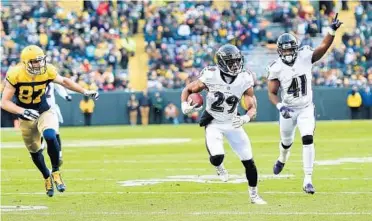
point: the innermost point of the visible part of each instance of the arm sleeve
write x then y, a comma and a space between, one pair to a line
207, 74
272, 73
11, 77
61, 91
52, 72
306, 52
250, 80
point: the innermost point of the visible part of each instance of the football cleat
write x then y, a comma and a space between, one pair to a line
256, 199
49, 186
309, 188
222, 173
278, 167
58, 181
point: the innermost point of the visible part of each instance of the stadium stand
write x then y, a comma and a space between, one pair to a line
107, 44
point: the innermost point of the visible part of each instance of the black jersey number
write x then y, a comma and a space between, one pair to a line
231, 101
294, 87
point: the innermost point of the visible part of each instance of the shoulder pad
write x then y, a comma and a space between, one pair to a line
52, 71
305, 47
12, 74
207, 73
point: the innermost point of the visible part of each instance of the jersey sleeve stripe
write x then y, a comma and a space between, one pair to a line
11, 82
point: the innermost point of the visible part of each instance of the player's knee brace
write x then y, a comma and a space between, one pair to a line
307, 140
49, 134
217, 159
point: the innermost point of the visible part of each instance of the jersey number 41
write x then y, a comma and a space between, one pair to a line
294, 87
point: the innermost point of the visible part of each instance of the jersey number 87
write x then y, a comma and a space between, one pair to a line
27, 93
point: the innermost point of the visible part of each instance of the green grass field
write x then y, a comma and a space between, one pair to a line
101, 165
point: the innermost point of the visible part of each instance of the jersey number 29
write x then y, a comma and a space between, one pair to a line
231, 101
295, 89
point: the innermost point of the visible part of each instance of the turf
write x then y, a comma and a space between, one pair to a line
93, 175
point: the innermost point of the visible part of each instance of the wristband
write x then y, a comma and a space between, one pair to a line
331, 31
279, 106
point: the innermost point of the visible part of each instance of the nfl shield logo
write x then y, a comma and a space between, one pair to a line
228, 87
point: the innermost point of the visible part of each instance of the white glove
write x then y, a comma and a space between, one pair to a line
188, 108
238, 121
30, 114
92, 94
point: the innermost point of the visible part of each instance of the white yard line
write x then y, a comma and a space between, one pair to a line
187, 193
212, 213
115, 179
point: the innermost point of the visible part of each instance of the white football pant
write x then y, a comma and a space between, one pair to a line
236, 137
303, 118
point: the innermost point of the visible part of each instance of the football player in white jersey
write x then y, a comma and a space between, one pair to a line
226, 83
291, 73
50, 97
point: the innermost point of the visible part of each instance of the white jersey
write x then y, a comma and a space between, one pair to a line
50, 93
52, 100
223, 98
295, 81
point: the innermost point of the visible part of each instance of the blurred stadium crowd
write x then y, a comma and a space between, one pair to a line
94, 46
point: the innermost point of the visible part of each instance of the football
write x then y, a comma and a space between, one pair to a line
196, 99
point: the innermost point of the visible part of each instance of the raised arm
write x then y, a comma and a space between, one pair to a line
320, 51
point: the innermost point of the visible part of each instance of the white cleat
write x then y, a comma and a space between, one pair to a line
256, 199
222, 173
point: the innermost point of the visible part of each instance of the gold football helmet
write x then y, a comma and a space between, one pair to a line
34, 59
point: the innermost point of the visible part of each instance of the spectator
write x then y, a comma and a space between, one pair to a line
191, 118
133, 109
171, 113
87, 108
354, 102
366, 95
158, 108
145, 104
307, 41
92, 37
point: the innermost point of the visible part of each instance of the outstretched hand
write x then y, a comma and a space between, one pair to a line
336, 23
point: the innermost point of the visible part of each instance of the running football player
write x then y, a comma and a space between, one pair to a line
51, 99
291, 73
226, 83
27, 82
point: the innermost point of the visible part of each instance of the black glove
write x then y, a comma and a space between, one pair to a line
68, 98
30, 114
336, 23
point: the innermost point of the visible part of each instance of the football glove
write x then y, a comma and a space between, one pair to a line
284, 111
335, 25
238, 121
92, 94
30, 114
187, 108
68, 98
